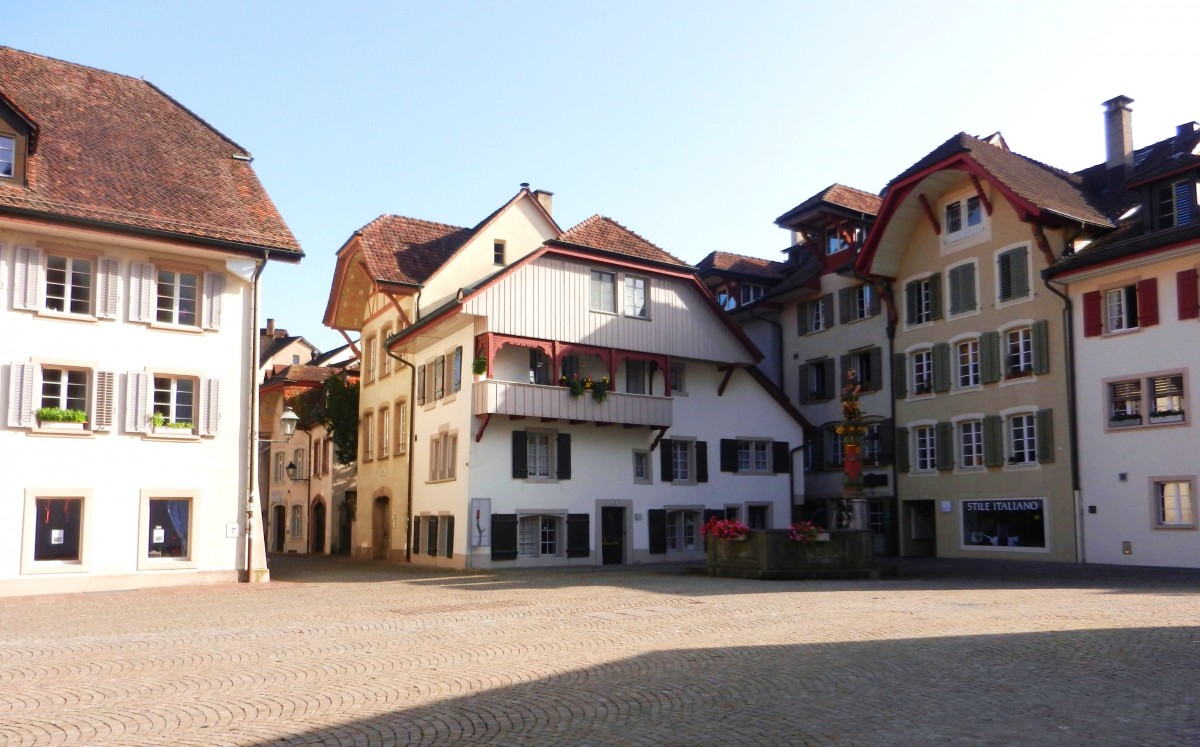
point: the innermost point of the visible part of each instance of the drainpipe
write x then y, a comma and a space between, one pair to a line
252, 421
1072, 425
412, 432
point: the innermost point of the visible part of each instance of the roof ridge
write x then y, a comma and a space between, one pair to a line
68, 62
396, 216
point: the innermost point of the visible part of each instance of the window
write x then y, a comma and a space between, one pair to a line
400, 427
65, 389
175, 399
385, 359
872, 446
167, 522
682, 529
833, 240
538, 455
1167, 392
967, 364
835, 450
758, 516
539, 367
921, 372
818, 319
368, 436
69, 284
925, 442
1022, 439
963, 218
443, 451
421, 380
439, 376
1004, 523
641, 467
681, 460
751, 292
859, 302
385, 433
58, 534
1173, 205
922, 300
298, 463
498, 252
1121, 309
754, 456
635, 297
1125, 403
456, 370
1018, 352
604, 296
961, 279
635, 376
1173, 504
814, 316
8, 155
970, 444
277, 475
1012, 274
867, 366
678, 378
316, 457
538, 535
297, 522
178, 298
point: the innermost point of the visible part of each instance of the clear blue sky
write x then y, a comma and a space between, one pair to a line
694, 123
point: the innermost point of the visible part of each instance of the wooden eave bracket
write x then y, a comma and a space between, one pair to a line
399, 309
725, 381
353, 347
1039, 238
661, 432
933, 221
987, 204
487, 418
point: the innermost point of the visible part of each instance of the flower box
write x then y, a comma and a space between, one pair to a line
1124, 421
61, 425
1173, 417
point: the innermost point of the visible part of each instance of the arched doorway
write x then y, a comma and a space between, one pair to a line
380, 531
278, 524
317, 528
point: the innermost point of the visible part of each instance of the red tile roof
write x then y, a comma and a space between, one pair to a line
599, 232
728, 262
407, 250
838, 195
301, 373
118, 151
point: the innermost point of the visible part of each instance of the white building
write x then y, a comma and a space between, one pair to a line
132, 237
512, 466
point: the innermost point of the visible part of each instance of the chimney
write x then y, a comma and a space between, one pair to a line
270, 328
1185, 129
546, 200
1118, 133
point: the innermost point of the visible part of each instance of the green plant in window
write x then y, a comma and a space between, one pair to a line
479, 366
59, 415
158, 420
600, 389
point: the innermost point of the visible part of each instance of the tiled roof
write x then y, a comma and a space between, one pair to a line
838, 195
301, 373
606, 234
728, 262
408, 250
117, 150
1044, 186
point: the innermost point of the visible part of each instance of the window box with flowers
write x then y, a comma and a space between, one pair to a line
806, 532
599, 388
1166, 416
58, 419
1124, 419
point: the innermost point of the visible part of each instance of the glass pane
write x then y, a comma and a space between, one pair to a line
168, 528
58, 525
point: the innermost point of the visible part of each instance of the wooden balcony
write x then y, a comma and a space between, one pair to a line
494, 397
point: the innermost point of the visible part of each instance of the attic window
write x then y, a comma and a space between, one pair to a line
8, 156
1173, 204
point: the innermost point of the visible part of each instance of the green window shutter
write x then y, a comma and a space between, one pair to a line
416, 535
944, 446
941, 367
579, 535
899, 375
993, 441
845, 301
449, 552
874, 301
830, 382
912, 298
729, 455
656, 520
520, 455
563, 471
903, 463
701, 461
432, 544
935, 296
504, 536
802, 318
875, 375
664, 460
989, 357
827, 310
887, 441
1045, 436
804, 393
1041, 347
781, 457
954, 278
1019, 267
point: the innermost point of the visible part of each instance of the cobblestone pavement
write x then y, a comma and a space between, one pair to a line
344, 652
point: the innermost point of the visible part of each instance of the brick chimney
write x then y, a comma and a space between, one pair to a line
1118, 133
270, 328
546, 200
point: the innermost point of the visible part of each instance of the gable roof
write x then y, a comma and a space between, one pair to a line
599, 232
835, 195
726, 262
408, 250
116, 151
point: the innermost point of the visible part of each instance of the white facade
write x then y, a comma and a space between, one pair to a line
121, 500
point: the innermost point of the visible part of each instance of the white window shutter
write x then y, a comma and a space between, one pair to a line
214, 291
141, 292
137, 402
210, 406
28, 283
108, 280
21, 388
103, 400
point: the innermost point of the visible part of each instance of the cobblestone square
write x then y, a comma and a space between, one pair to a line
340, 652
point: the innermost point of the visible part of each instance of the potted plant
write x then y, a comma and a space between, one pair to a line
806, 532
479, 366
727, 529
56, 418
600, 389
1124, 419
160, 424
1166, 416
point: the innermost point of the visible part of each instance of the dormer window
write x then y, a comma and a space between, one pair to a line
8, 156
963, 218
1173, 204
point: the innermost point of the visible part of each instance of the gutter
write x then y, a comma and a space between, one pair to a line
252, 497
412, 432
1072, 424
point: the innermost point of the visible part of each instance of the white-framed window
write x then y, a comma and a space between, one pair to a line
966, 359
385, 432
960, 282
642, 474
862, 302
277, 472
68, 284
1167, 396
835, 449
456, 361
603, 292
754, 456
1125, 402
538, 454
919, 301
1012, 274
297, 528
385, 359
1156, 399
867, 366
1174, 506
8, 156
400, 427
964, 217
498, 253
1018, 352
167, 521
1174, 204
636, 375
1121, 309
178, 298
1022, 439
925, 448
818, 316
678, 378
368, 436
539, 535
637, 297
65, 388
298, 463
56, 282
175, 399
816, 378
921, 372
970, 444
682, 460
683, 530
443, 453
751, 292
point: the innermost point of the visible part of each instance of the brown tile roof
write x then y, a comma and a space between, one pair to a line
838, 195
1044, 186
302, 373
408, 250
607, 235
119, 151
728, 262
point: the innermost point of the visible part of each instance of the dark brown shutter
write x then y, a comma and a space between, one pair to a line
903, 463
416, 535
664, 460
899, 375
729, 455
431, 522
504, 536
845, 302
830, 381
802, 318
1147, 300
1092, 324
887, 441
563, 467
449, 552
781, 457
701, 461
827, 311
874, 380
656, 519
520, 455
579, 535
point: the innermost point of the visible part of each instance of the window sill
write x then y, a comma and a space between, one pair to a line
171, 434
1173, 528
1004, 303
1119, 332
66, 316
53, 432
602, 311
444, 479
167, 564
1018, 379
39, 567
919, 397
966, 389
923, 473
184, 328
1021, 466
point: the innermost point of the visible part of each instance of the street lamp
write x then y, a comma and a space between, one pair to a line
288, 421
291, 470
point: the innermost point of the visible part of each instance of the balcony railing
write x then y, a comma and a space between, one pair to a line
494, 397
